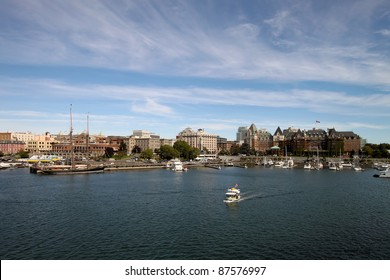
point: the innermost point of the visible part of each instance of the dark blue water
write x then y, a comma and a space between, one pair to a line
160, 214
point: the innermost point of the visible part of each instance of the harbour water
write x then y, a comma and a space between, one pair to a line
161, 214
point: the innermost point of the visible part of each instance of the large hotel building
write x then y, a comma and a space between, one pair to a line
199, 139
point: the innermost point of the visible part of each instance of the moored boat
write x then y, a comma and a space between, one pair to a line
383, 174
357, 167
332, 166
177, 166
68, 169
53, 169
307, 165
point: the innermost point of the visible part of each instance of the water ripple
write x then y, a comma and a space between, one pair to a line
159, 214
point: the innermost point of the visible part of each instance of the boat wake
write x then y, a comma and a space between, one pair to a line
252, 195
245, 196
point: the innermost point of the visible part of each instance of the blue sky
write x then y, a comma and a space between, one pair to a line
163, 66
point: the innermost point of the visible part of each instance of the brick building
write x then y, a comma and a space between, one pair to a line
8, 147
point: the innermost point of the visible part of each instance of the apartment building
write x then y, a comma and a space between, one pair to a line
144, 140
168, 142
11, 146
199, 139
40, 143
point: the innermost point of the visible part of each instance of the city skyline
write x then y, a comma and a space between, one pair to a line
215, 65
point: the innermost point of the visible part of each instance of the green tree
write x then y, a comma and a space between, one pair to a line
234, 150
377, 151
168, 152
109, 152
147, 154
245, 149
383, 149
23, 154
185, 150
123, 147
368, 151
194, 153
224, 153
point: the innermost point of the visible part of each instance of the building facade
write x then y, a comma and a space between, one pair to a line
5, 136
199, 139
241, 134
8, 147
345, 141
41, 143
300, 142
259, 140
144, 140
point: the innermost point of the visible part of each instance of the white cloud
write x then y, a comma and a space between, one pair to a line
384, 32
307, 43
366, 125
151, 107
166, 101
280, 22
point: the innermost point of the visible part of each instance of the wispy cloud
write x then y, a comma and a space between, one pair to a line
384, 32
165, 100
179, 39
151, 107
367, 125
270, 52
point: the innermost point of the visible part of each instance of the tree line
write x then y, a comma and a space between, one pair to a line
180, 149
376, 150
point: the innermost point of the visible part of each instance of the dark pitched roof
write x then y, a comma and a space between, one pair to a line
253, 128
278, 130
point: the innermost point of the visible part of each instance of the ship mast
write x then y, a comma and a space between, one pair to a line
71, 139
87, 138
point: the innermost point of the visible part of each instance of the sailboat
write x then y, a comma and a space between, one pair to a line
72, 168
317, 163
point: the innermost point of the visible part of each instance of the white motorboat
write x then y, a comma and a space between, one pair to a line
4, 165
317, 165
177, 166
383, 174
232, 194
333, 166
357, 168
381, 166
288, 163
307, 165
346, 164
279, 164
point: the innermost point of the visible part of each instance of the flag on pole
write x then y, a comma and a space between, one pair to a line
317, 121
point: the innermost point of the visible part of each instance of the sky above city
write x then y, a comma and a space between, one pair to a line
163, 66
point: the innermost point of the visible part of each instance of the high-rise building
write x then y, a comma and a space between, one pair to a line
241, 134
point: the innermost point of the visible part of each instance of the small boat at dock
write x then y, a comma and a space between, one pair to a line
383, 174
65, 170
177, 166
